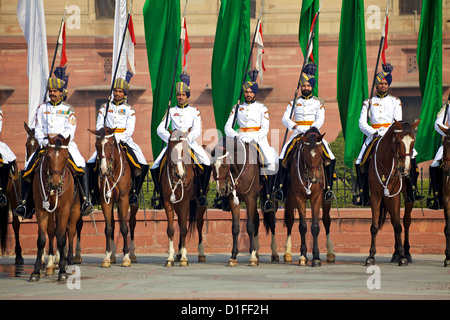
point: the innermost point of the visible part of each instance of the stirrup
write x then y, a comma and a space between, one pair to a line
133, 200
154, 204
278, 195
86, 208
202, 201
268, 206
3, 200
328, 196
21, 212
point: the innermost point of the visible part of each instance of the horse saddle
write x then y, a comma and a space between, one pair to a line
194, 160
288, 155
368, 153
131, 157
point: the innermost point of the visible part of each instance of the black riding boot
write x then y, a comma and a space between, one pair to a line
204, 183
86, 206
279, 191
156, 200
93, 183
435, 203
268, 205
329, 174
4, 176
23, 210
412, 192
137, 185
361, 196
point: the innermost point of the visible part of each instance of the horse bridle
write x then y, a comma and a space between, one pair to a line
308, 178
109, 159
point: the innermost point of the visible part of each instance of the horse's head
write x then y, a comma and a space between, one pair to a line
32, 143
221, 168
57, 154
104, 144
403, 144
178, 152
312, 154
446, 145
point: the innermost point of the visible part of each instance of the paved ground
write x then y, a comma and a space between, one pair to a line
348, 278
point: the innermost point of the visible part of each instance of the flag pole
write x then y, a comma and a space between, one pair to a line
57, 44
117, 64
174, 74
383, 37
248, 62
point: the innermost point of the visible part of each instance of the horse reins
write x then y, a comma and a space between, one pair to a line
299, 158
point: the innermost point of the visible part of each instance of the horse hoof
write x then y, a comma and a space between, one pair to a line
302, 261
78, 260
133, 258
447, 262
35, 277
288, 257
201, 258
106, 264
370, 261
113, 259
275, 258
403, 262
169, 263
49, 271
316, 263
184, 263
331, 257
232, 263
409, 258
19, 261
395, 258
62, 278
126, 263
178, 258
253, 263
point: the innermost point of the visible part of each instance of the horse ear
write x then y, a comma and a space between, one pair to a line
415, 124
321, 136
95, 132
27, 128
66, 141
397, 124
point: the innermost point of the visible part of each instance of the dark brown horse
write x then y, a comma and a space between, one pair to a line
179, 195
114, 182
307, 181
446, 192
389, 165
57, 204
236, 172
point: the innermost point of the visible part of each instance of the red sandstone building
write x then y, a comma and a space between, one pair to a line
89, 50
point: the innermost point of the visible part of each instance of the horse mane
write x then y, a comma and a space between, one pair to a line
311, 134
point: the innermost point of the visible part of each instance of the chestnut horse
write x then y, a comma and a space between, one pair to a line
236, 172
446, 192
57, 203
389, 165
114, 182
307, 181
179, 194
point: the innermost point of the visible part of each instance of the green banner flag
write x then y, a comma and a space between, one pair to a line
230, 56
162, 24
352, 87
307, 15
429, 60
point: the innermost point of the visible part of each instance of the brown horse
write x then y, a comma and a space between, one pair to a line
114, 183
446, 192
57, 204
236, 172
389, 165
307, 181
179, 195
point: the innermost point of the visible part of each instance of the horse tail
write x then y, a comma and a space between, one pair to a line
4, 213
383, 214
269, 221
192, 216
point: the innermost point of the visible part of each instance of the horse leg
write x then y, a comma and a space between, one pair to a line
123, 213
252, 229
315, 229
61, 244
50, 269
406, 225
79, 227
235, 230
133, 211
42, 219
303, 228
170, 232
326, 220
374, 228
182, 223
200, 221
107, 212
113, 243
289, 222
447, 233
18, 249
273, 244
393, 206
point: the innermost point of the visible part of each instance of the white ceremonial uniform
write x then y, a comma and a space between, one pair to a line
308, 112
5, 152
253, 122
121, 116
183, 119
54, 119
439, 121
383, 111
